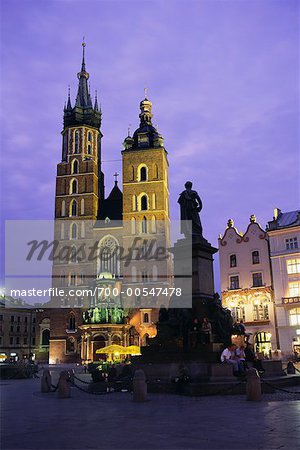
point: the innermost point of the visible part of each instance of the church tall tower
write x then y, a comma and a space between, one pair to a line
146, 210
79, 185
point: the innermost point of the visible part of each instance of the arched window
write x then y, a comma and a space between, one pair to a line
76, 150
45, 337
82, 229
75, 166
155, 171
144, 225
89, 149
74, 231
89, 136
74, 255
146, 318
70, 345
72, 323
73, 186
143, 173
108, 256
63, 208
82, 206
144, 203
133, 228
73, 208
255, 257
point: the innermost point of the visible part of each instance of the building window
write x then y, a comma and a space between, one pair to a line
153, 201
146, 318
46, 337
233, 261
11, 340
74, 231
82, 206
1, 317
155, 171
63, 279
260, 310
26, 319
25, 341
153, 224
89, 136
73, 279
133, 228
291, 243
255, 257
76, 142
72, 324
12, 318
70, 345
238, 312
144, 225
234, 282
144, 276
143, 173
18, 329
17, 341
11, 328
295, 316
89, 149
293, 266
73, 208
73, 187
144, 203
19, 319
75, 166
63, 208
294, 289
257, 279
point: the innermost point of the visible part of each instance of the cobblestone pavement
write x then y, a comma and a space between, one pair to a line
31, 420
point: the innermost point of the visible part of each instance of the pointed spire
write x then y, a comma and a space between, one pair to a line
83, 99
96, 102
69, 106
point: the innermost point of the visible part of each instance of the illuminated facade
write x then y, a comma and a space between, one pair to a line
284, 238
246, 283
79, 326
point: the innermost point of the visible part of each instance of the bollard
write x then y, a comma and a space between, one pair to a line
46, 381
64, 388
139, 386
253, 386
290, 369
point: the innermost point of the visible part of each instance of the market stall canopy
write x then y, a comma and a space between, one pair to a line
133, 350
114, 348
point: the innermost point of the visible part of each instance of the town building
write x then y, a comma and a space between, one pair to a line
17, 330
284, 237
246, 283
80, 325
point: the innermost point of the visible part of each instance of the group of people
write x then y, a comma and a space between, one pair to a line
240, 357
202, 331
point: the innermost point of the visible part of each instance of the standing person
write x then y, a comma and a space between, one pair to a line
206, 331
195, 333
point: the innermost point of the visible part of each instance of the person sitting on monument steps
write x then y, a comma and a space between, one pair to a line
240, 355
206, 331
228, 357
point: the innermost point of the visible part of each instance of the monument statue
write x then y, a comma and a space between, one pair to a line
190, 206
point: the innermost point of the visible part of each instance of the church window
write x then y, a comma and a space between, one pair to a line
62, 230
82, 206
108, 256
155, 171
143, 173
73, 208
144, 203
62, 279
144, 225
89, 150
134, 203
45, 337
153, 201
89, 136
75, 166
133, 228
144, 276
82, 229
73, 231
72, 280
72, 323
132, 172
76, 141
73, 186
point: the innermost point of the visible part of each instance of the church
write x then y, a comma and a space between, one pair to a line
74, 327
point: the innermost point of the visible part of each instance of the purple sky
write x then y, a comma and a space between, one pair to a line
222, 75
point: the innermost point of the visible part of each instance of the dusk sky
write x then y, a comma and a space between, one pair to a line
222, 75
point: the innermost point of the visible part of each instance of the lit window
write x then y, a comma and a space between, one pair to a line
234, 282
255, 257
72, 324
146, 318
294, 288
260, 311
238, 312
293, 266
233, 261
295, 316
291, 243
257, 279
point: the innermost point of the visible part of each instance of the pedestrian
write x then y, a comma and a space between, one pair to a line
206, 331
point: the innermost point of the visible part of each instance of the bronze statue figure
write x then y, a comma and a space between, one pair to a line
190, 206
